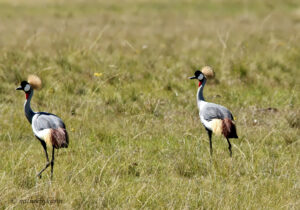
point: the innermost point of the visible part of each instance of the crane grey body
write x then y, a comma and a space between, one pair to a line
210, 111
44, 120
48, 128
214, 117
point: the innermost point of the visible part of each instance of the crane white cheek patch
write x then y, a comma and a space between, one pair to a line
27, 88
200, 77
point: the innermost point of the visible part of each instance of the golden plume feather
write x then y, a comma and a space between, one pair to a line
208, 72
35, 82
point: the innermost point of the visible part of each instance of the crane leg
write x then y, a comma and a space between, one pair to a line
210, 142
229, 147
48, 163
52, 162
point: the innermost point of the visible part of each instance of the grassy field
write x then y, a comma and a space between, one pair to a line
136, 141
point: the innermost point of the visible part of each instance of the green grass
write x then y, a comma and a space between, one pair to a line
136, 140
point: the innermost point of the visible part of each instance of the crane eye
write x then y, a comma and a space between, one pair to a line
200, 77
27, 88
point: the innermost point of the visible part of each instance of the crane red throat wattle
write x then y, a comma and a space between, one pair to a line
200, 83
27, 95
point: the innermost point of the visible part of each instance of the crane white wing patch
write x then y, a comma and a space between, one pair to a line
214, 125
45, 135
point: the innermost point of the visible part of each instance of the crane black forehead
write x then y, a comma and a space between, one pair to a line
24, 83
197, 73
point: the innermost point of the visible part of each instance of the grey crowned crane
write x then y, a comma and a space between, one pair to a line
215, 118
48, 128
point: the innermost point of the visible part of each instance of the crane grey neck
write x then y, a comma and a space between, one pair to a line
200, 91
28, 111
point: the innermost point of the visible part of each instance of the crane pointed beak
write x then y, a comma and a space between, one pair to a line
19, 88
194, 77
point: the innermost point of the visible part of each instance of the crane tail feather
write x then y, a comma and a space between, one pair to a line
59, 138
228, 128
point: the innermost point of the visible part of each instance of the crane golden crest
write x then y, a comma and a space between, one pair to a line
34, 81
208, 72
